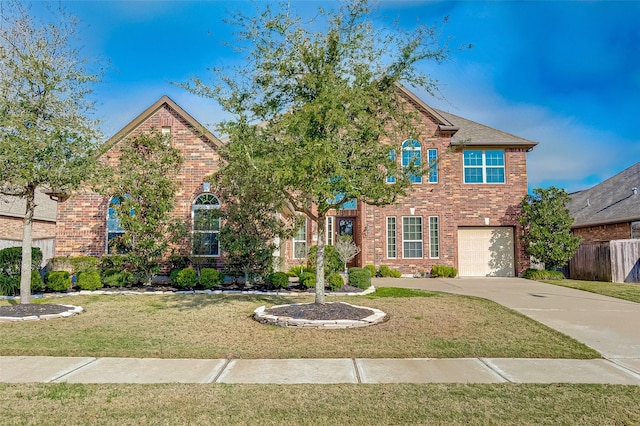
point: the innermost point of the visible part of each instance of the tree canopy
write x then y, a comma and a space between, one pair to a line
316, 108
547, 227
47, 138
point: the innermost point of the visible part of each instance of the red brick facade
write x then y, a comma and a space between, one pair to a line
615, 231
81, 225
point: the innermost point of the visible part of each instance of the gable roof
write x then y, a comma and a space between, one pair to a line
612, 201
160, 103
466, 132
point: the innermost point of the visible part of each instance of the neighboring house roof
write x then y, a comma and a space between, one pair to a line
612, 201
15, 206
160, 103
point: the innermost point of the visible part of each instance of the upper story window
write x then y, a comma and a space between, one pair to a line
483, 166
433, 165
412, 155
392, 157
351, 204
206, 225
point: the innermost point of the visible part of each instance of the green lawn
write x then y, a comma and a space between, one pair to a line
629, 292
433, 404
217, 326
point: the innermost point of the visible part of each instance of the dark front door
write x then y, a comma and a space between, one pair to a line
347, 226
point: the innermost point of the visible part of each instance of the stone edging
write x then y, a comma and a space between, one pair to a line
377, 317
73, 310
129, 292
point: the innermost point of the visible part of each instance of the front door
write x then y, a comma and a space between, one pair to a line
347, 226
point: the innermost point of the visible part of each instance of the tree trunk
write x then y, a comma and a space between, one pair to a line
27, 231
320, 260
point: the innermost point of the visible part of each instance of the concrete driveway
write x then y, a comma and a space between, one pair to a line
610, 326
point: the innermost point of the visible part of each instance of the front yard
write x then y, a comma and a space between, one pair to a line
217, 326
629, 292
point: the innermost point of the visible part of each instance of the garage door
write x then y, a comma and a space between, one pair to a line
485, 252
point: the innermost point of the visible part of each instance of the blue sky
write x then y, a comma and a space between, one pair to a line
564, 74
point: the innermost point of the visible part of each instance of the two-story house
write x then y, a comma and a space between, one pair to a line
462, 213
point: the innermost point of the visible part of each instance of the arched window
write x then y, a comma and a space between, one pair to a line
412, 156
114, 230
206, 225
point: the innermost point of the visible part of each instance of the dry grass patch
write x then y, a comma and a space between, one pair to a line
214, 326
512, 404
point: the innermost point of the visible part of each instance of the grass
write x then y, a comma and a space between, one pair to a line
629, 292
437, 404
216, 326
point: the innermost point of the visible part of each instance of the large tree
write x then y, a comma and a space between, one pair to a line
317, 110
547, 227
144, 186
46, 137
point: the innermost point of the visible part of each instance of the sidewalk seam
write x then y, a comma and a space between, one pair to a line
67, 372
224, 367
495, 369
355, 367
624, 368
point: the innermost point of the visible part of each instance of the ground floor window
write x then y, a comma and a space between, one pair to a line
206, 225
412, 237
434, 237
300, 242
391, 238
329, 230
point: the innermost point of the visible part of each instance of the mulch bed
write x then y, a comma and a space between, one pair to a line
318, 311
30, 309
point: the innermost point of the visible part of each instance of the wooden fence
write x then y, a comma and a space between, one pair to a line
613, 261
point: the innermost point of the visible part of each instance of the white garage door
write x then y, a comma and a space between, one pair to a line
485, 252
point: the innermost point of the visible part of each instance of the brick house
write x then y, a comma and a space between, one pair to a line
86, 222
609, 210
463, 213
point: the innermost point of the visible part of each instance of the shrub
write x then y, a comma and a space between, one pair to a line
116, 278
443, 271
210, 278
385, 271
36, 281
89, 280
75, 264
332, 262
11, 260
359, 277
186, 278
173, 275
58, 280
278, 280
308, 279
335, 281
297, 271
9, 286
542, 274
371, 269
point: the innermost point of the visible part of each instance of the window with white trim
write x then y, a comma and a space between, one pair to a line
433, 165
392, 252
483, 166
412, 237
412, 156
206, 226
300, 242
434, 237
329, 230
114, 230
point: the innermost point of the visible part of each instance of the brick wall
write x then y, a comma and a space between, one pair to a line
81, 222
11, 228
615, 231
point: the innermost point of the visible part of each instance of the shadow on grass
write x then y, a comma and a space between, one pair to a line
201, 301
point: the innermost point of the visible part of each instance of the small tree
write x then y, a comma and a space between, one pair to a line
346, 249
547, 227
145, 185
46, 137
326, 102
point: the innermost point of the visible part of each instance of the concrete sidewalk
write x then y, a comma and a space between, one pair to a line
317, 371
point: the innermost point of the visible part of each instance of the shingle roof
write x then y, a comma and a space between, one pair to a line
15, 207
612, 201
476, 134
